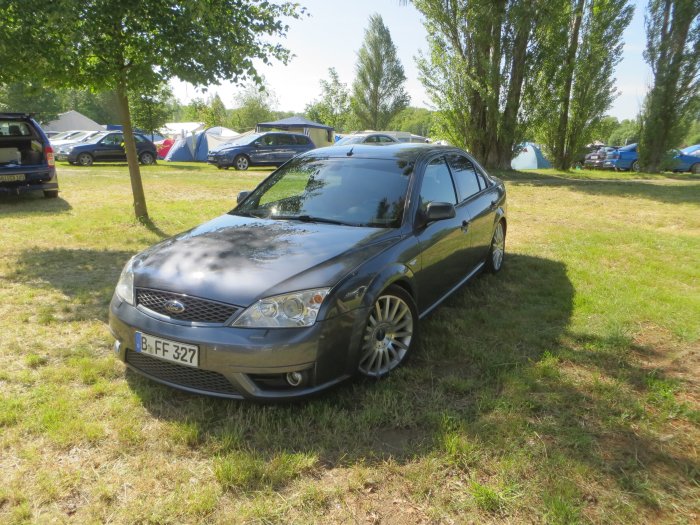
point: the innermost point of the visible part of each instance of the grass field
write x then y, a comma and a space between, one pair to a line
564, 390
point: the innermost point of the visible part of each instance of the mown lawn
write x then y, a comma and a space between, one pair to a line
564, 390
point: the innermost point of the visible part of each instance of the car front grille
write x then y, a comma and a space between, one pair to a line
204, 381
196, 310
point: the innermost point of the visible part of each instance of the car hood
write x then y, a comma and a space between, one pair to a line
238, 260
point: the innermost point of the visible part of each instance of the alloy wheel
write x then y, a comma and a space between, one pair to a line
387, 336
498, 247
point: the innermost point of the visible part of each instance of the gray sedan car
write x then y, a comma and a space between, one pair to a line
321, 272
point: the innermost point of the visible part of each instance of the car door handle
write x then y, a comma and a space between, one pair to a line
465, 226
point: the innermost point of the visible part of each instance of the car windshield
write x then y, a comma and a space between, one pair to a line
350, 191
351, 139
242, 141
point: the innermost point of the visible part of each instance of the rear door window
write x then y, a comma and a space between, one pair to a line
437, 184
465, 176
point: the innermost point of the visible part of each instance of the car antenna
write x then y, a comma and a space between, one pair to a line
349, 153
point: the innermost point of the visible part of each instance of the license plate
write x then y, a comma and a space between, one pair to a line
12, 178
174, 351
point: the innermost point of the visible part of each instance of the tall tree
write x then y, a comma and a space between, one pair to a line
129, 46
31, 97
414, 120
214, 113
334, 105
673, 52
378, 92
150, 111
255, 104
579, 48
480, 54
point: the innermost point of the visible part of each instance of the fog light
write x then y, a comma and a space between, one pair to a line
295, 378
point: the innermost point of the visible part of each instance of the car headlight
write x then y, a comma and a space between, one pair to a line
284, 311
125, 286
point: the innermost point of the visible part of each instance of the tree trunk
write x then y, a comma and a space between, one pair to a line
140, 209
562, 154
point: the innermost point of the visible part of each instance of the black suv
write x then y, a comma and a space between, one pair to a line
26, 157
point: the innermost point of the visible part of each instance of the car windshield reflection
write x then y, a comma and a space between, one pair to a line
352, 192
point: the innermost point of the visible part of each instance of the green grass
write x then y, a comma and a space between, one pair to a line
563, 390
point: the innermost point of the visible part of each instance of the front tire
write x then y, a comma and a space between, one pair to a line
50, 194
241, 163
635, 166
85, 159
389, 333
497, 252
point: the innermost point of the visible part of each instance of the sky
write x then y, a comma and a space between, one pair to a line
334, 31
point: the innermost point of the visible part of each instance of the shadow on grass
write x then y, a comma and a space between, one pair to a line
485, 382
86, 277
153, 228
668, 193
31, 204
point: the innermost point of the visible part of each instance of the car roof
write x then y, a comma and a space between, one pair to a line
407, 151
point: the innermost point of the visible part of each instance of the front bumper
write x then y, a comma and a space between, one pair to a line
219, 160
240, 362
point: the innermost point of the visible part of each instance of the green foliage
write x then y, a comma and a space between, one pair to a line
214, 113
30, 97
150, 111
378, 92
573, 84
673, 52
414, 120
693, 135
254, 105
627, 132
333, 108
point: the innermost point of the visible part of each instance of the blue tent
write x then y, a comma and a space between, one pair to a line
529, 158
195, 147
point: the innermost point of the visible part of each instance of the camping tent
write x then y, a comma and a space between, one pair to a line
181, 129
72, 120
320, 134
195, 147
529, 158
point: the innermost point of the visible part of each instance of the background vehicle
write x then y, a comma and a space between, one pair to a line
321, 272
367, 138
260, 149
73, 137
26, 157
623, 159
106, 147
687, 159
596, 159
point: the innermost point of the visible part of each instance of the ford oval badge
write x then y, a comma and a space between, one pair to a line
174, 307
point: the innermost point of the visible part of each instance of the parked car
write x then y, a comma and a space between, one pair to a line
106, 147
367, 138
687, 159
73, 137
596, 159
321, 272
26, 157
260, 149
623, 159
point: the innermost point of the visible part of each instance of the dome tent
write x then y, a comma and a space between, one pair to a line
529, 158
195, 147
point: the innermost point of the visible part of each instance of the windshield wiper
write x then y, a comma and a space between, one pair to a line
308, 218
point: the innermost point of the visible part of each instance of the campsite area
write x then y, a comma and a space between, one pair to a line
569, 396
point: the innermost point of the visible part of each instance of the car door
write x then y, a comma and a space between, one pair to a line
480, 197
444, 245
110, 148
264, 149
286, 148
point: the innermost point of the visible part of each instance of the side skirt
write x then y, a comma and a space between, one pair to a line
451, 291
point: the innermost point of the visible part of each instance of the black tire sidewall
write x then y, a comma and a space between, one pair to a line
235, 162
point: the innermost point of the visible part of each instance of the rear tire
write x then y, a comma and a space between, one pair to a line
497, 252
85, 159
147, 158
241, 163
635, 166
50, 194
695, 169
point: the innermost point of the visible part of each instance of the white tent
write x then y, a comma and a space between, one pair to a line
72, 120
181, 129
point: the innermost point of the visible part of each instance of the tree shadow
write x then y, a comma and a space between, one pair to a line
153, 228
86, 277
32, 204
671, 193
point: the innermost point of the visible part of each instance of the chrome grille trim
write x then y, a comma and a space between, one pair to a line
197, 310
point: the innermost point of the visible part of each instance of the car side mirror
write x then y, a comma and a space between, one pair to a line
241, 196
439, 211
257, 144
